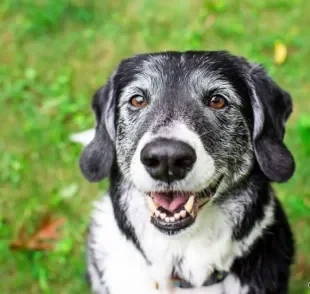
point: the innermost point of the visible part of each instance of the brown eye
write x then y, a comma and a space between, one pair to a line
138, 101
217, 102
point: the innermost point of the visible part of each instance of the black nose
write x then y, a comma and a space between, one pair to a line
167, 159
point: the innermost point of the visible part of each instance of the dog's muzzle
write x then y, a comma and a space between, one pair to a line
167, 160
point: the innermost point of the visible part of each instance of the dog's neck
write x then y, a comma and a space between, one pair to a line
244, 205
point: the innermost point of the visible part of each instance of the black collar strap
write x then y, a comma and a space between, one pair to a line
215, 278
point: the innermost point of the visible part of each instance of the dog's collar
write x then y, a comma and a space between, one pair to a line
216, 277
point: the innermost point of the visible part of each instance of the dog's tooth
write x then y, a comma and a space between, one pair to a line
177, 216
172, 219
152, 206
189, 204
167, 219
162, 216
157, 213
183, 213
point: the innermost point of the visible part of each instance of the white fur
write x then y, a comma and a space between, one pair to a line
231, 285
202, 173
84, 137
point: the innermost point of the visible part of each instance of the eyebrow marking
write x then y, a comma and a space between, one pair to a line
204, 81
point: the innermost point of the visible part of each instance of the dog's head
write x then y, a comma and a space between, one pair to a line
179, 124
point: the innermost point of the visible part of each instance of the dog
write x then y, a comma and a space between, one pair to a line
190, 142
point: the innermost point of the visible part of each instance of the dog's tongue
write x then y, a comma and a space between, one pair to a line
170, 202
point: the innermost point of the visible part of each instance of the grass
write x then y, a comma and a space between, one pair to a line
55, 54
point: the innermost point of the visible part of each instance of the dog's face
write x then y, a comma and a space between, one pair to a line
180, 124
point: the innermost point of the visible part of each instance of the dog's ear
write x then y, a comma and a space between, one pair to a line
97, 157
271, 109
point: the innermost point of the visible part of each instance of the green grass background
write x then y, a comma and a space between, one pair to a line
55, 54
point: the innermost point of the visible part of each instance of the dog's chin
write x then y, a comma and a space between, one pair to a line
172, 212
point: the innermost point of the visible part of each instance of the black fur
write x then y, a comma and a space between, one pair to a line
97, 158
275, 105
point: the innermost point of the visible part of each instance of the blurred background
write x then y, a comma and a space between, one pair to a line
55, 54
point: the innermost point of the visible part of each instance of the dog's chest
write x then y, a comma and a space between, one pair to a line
193, 257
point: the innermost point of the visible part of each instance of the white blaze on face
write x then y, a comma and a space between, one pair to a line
197, 179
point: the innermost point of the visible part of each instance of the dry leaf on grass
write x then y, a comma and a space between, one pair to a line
43, 238
280, 53
302, 268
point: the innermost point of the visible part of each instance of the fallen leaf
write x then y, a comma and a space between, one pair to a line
280, 53
301, 267
42, 238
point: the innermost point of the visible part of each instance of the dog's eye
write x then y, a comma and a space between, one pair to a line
217, 102
138, 101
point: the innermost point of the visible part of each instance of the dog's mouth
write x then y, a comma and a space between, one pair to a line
175, 211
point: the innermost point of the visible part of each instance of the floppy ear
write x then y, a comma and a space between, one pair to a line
97, 157
271, 109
